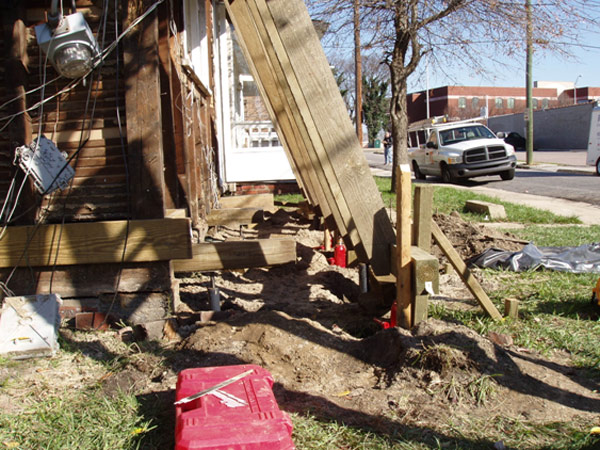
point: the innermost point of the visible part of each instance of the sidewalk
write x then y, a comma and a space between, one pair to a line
570, 161
554, 161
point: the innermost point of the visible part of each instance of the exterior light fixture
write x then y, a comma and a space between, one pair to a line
68, 42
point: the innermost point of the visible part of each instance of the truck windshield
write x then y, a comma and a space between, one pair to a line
460, 134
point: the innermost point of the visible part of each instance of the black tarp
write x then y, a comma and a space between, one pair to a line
582, 259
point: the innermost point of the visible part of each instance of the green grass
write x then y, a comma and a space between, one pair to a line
448, 199
75, 420
313, 433
282, 199
570, 236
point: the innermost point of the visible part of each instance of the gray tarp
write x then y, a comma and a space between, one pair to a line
582, 259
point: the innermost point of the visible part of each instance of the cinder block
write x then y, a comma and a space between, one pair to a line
493, 210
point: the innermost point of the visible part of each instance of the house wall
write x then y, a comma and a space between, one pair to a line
141, 133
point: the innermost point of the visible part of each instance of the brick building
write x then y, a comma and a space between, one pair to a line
463, 102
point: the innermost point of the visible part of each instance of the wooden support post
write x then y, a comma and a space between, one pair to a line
403, 260
423, 209
511, 308
15, 85
143, 112
463, 272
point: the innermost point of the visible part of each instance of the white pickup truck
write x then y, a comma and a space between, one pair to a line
462, 150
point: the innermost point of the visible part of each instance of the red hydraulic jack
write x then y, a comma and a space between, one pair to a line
392, 323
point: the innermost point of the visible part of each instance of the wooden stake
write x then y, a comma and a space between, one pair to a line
403, 243
422, 217
463, 272
511, 308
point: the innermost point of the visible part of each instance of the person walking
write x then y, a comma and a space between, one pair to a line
387, 148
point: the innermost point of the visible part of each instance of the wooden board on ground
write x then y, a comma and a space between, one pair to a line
263, 201
292, 72
234, 216
238, 255
96, 242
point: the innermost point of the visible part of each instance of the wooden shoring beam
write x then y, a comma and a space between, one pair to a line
294, 60
95, 242
463, 272
274, 97
230, 255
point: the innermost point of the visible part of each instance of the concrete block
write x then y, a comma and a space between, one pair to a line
493, 210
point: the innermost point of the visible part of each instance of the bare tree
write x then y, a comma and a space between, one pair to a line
470, 33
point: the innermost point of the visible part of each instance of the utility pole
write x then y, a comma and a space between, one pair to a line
529, 84
358, 72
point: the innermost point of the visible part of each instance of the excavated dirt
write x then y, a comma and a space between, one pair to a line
328, 357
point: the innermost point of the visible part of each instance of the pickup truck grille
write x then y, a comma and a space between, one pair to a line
481, 154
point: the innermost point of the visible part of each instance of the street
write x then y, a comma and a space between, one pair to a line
568, 186
580, 187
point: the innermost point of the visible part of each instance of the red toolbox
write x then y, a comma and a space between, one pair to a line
243, 415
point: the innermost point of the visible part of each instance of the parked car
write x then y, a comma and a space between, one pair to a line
513, 138
463, 150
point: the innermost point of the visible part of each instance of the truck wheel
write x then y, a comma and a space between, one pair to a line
447, 176
598, 167
507, 174
418, 174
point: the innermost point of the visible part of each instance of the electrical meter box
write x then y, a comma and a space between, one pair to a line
46, 165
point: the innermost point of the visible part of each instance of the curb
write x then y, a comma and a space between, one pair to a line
555, 168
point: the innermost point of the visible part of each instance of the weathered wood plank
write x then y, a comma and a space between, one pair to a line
95, 242
463, 272
232, 216
238, 255
263, 201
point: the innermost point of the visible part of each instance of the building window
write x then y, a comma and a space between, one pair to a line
196, 42
462, 102
475, 102
535, 103
545, 103
510, 103
499, 103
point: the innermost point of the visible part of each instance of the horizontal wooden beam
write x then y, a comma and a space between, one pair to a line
232, 216
264, 201
96, 242
238, 255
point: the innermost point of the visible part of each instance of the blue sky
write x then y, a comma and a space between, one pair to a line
546, 67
